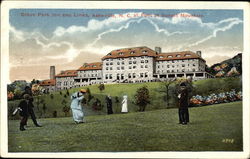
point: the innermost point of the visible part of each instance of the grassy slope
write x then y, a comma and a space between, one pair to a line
147, 131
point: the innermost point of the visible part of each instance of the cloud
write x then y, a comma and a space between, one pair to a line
182, 31
221, 26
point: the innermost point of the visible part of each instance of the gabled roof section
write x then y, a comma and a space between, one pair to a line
67, 73
48, 82
131, 52
91, 66
178, 56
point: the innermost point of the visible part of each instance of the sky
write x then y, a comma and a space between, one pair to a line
67, 38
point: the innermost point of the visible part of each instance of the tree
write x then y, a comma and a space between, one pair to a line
65, 110
101, 87
166, 90
142, 98
88, 95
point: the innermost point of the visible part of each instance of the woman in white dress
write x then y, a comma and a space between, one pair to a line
76, 106
125, 104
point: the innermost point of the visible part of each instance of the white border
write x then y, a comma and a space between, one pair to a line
7, 5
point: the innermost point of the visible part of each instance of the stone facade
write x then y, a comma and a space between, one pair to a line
89, 73
48, 85
132, 65
65, 79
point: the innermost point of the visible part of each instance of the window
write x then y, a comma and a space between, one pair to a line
120, 53
118, 63
146, 66
132, 52
118, 68
122, 62
122, 68
193, 64
111, 68
142, 61
107, 68
144, 51
141, 74
130, 67
142, 57
178, 55
183, 65
107, 63
129, 75
134, 75
170, 56
168, 71
187, 55
134, 62
130, 62
106, 76
134, 67
141, 66
167, 66
146, 61
146, 74
110, 76
111, 63
158, 66
161, 57
109, 54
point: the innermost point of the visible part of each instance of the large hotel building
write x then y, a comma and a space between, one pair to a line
132, 65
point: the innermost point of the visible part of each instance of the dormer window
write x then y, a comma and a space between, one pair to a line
170, 56
178, 55
187, 55
94, 66
161, 57
132, 52
120, 53
144, 51
109, 54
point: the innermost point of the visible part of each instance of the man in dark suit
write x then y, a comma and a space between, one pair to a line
183, 104
31, 106
109, 104
23, 105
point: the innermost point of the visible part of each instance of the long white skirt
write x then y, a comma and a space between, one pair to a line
77, 115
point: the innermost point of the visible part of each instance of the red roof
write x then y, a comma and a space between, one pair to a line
131, 52
67, 73
91, 66
178, 56
49, 82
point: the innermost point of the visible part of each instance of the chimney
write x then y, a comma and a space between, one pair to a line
158, 50
52, 72
198, 53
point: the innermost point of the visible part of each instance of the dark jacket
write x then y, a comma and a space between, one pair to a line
30, 106
183, 101
24, 106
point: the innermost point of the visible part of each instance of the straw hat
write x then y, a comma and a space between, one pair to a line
83, 90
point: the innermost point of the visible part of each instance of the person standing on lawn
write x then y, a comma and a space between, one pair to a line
76, 107
125, 104
183, 103
109, 104
31, 112
24, 114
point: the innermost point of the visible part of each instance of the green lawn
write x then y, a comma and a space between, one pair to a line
212, 128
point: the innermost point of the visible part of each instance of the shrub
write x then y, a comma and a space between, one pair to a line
142, 98
101, 87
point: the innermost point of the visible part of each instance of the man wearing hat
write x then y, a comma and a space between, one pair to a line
76, 107
28, 91
183, 103
23, 107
